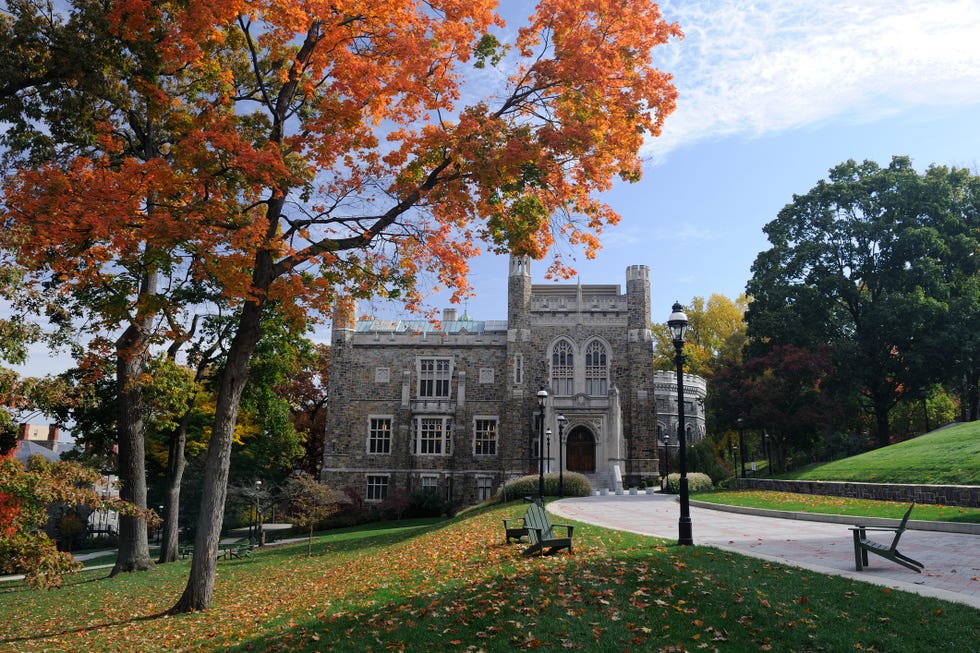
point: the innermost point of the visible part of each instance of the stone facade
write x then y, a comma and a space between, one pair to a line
695, 391
454, 407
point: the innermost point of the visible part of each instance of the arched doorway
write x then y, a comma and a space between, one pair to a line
580, 450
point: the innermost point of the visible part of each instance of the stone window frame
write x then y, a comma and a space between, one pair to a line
491, 442
376, 487
561, 366
433, 380
597, 374
378, 435
420, 436
518, 369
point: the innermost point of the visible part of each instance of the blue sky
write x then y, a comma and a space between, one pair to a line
772, 95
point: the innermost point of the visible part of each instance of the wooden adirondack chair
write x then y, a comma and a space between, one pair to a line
862, 545
541, 533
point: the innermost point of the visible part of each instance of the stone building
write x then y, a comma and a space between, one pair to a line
454, 407
665, 390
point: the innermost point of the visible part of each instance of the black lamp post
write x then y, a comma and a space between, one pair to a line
765, 437
258, 514
561, 460
547, 438
741, 441
677, 323
666, 454
542, 397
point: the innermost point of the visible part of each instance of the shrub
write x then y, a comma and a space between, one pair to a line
428, 503
573, 484
703, 457
696, 482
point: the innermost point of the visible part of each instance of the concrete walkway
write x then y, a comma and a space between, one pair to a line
952, 560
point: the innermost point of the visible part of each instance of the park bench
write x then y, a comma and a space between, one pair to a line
185, 551
862, 545
541, 533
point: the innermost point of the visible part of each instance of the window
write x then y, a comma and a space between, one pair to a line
484, 488
518, 369
379, 435
430, 483
562, 369
485, 436
432, 436
434, 377
377, 488
596, 369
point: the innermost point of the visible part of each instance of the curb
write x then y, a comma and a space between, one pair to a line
913, 524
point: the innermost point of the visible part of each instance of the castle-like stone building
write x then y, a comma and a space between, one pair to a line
454, 408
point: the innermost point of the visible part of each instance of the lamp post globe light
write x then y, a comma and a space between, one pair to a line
677, 323
561, 459
542, 397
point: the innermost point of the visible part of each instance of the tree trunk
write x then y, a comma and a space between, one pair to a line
169, 540
200, 585
882, 429
134, 546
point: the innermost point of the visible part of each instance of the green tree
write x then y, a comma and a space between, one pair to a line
857, 263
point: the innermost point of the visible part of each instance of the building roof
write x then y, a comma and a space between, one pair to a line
27, 448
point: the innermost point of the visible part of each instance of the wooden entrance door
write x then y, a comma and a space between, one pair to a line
580, 451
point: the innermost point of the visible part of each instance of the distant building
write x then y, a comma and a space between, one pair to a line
453, 408
40, 440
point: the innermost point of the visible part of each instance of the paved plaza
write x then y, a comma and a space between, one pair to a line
952, 560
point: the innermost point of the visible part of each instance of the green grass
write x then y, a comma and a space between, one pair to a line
454, 586
950, 456
812, 503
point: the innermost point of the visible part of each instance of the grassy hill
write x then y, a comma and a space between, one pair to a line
949, 456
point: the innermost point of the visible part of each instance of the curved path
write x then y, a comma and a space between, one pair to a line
952, 560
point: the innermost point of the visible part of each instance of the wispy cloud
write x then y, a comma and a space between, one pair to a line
752, 68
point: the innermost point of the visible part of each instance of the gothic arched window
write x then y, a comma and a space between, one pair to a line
562, 369
596, 369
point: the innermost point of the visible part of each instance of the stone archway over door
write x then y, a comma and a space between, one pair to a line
580, 451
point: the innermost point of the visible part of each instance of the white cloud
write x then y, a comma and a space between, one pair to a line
752, 68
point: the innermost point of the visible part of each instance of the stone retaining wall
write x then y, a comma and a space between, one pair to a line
965, 496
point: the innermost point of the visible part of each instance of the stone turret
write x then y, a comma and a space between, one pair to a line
638, 299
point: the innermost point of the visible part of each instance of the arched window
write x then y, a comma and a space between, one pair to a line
562, 369
596, 369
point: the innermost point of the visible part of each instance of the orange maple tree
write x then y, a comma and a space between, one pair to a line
305, 153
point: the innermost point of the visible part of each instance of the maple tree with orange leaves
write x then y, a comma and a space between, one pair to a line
306, 154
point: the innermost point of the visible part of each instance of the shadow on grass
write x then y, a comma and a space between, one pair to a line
354, 538
81, 629
646, 597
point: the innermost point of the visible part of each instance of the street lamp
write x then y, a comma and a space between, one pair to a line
547, 437
542, 397
741, 441
765, 437
666, 455
677, 323
258, 514
561, 460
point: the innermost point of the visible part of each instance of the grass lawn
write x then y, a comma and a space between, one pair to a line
950, 456
454, 586
838, 505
